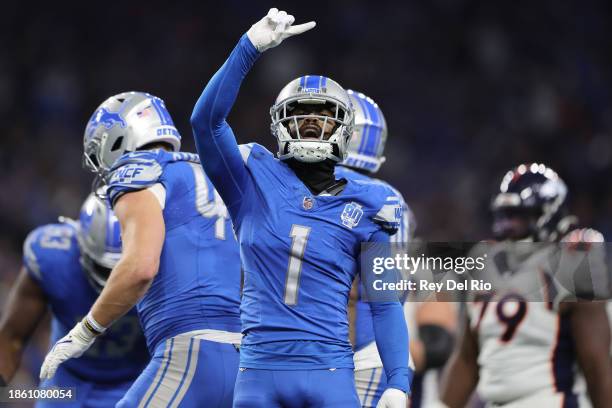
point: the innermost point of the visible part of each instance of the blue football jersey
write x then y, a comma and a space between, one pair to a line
364, 327
299, 267
51, 257
198, 283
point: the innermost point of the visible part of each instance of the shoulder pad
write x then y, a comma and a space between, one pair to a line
30, 258
583, 235
254, 150
390, 214
408, 223
41, 241
133, 172
245, 151
185, 156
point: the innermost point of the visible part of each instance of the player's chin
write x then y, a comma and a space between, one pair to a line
310, 133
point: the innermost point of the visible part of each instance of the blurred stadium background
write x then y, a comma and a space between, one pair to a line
469, 89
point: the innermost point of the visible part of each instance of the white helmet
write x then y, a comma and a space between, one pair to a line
124, 123
312, 90
367, 146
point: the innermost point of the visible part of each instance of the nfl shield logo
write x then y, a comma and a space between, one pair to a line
308, 203
351, 215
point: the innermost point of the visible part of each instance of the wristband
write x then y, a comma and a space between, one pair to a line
90, 323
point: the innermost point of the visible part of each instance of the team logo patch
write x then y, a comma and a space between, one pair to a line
308, 203
108, 119
351, 215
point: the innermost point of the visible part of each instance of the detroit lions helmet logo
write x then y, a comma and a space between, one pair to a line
351, 215
106, 118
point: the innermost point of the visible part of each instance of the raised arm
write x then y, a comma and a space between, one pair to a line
214, 138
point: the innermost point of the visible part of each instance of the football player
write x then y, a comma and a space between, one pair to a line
65, 266
180, 260
521, 353
300, 231
431, 323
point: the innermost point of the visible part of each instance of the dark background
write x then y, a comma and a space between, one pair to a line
469, 89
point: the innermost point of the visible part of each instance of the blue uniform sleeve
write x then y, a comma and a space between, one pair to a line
43, 247
214, 138
389, 215
407, 223
31, 260
133, 172
391, 335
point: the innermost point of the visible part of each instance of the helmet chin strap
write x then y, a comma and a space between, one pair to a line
316, 176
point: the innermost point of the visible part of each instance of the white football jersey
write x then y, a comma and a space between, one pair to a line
525, 345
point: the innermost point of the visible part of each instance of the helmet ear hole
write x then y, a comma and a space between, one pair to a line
117, 145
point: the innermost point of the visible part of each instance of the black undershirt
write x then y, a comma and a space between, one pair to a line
316, 176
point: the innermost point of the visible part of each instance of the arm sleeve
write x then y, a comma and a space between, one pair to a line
214, 138
391, 335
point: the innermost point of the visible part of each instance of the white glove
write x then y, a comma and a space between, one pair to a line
73, 345
274, 28
393, 398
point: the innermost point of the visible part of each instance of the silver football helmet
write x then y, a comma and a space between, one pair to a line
367, 146
312, 90
99, 238
124, 123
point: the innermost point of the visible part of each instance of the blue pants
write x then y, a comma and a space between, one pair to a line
186, 372
88, 394
295, 389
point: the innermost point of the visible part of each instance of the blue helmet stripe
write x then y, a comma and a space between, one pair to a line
158, 110
162, 112
302, 80
116, 244
313, 81
374, 131
365, 127
324, 83
108, 236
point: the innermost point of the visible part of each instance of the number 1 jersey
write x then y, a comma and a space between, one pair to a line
300, 253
